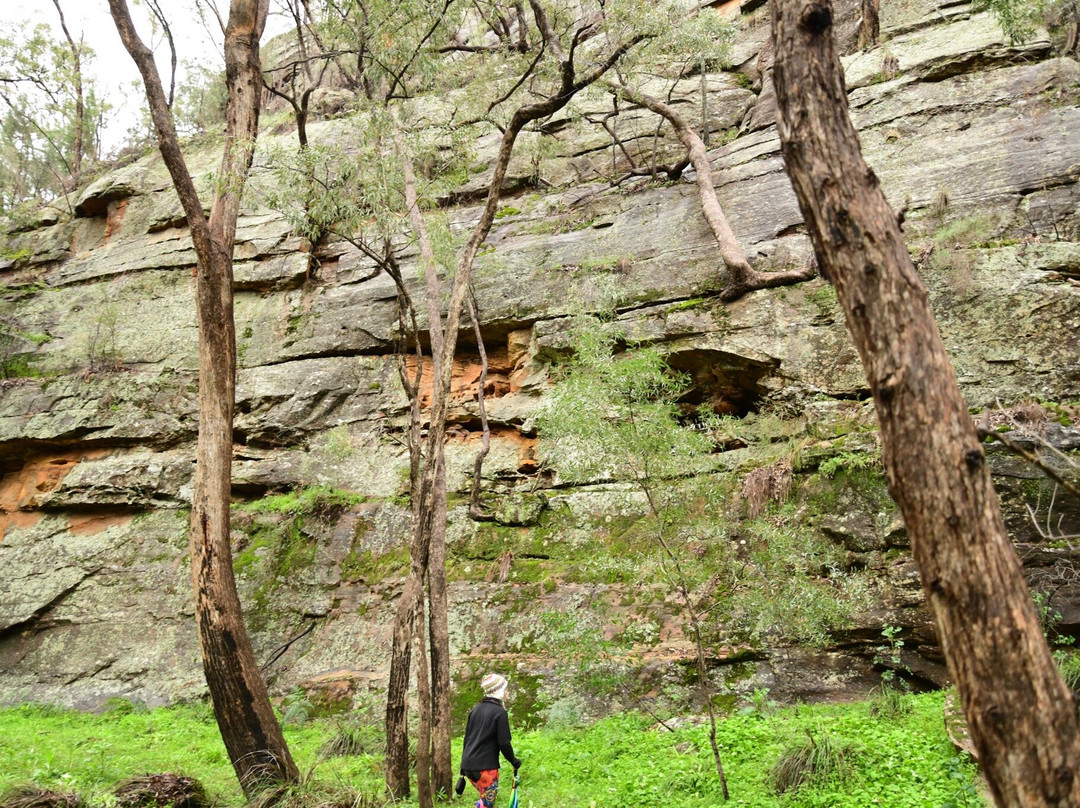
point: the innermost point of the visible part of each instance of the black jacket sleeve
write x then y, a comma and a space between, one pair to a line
502, 725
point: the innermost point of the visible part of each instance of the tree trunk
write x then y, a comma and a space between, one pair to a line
247, 722
432, 505
442, 772
869, 24
1020, 714
77, 147
397, 688
743, 278
424, 791
397, 735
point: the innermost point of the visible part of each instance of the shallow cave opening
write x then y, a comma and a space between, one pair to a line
494, 334
724, 382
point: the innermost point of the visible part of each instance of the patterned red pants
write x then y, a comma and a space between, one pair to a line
488, 786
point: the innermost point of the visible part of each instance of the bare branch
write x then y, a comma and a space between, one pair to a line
524, 76
155, 8
76, 56
168, 141
744, 278
398, 77
1032, 457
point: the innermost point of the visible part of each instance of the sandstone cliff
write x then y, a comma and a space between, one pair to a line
974, 137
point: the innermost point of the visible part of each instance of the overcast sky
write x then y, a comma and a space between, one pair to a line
116, 74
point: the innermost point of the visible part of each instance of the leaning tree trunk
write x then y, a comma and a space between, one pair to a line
743, 278
249, 728
1020, 714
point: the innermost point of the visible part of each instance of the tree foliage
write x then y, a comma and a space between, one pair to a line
39, 126
613, 415
1018, 19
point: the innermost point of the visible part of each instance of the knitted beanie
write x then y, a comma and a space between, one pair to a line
494, 686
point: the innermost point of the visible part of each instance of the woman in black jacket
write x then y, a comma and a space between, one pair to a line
487, 732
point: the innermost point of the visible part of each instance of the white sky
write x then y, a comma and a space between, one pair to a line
118, 79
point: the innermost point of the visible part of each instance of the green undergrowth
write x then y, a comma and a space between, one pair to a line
626, 761
280, 538
304, 501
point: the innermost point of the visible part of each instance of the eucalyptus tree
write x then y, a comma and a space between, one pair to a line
365, 192
506, 69
50, 116
249, 728
1020, 713
565, 62
518, 77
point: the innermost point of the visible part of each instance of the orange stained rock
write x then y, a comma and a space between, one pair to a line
91, 524
527, 461
19, 519
19, 490
115, 216
464, 377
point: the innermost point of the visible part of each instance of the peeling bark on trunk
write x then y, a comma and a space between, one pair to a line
247, 722
744, 278
1022, 718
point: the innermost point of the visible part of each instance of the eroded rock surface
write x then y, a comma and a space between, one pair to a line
972, 136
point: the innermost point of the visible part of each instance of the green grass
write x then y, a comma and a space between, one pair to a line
904, 761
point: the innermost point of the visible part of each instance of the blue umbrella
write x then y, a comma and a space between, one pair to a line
514, 793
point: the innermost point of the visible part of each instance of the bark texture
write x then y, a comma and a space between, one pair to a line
1021, 716
242, 707
869, 24
411, 603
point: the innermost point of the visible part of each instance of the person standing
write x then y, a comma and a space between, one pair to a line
487, 733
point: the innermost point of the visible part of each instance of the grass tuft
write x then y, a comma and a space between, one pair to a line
30, 796
316, 795
814, 760
889, 703
350, 740
160, 790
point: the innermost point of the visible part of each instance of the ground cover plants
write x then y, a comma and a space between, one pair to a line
858, 757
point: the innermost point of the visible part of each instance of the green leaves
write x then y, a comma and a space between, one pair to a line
613, 415
38, 121
1018, 19
624, 761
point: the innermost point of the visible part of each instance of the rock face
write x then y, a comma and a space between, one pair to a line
972, 136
